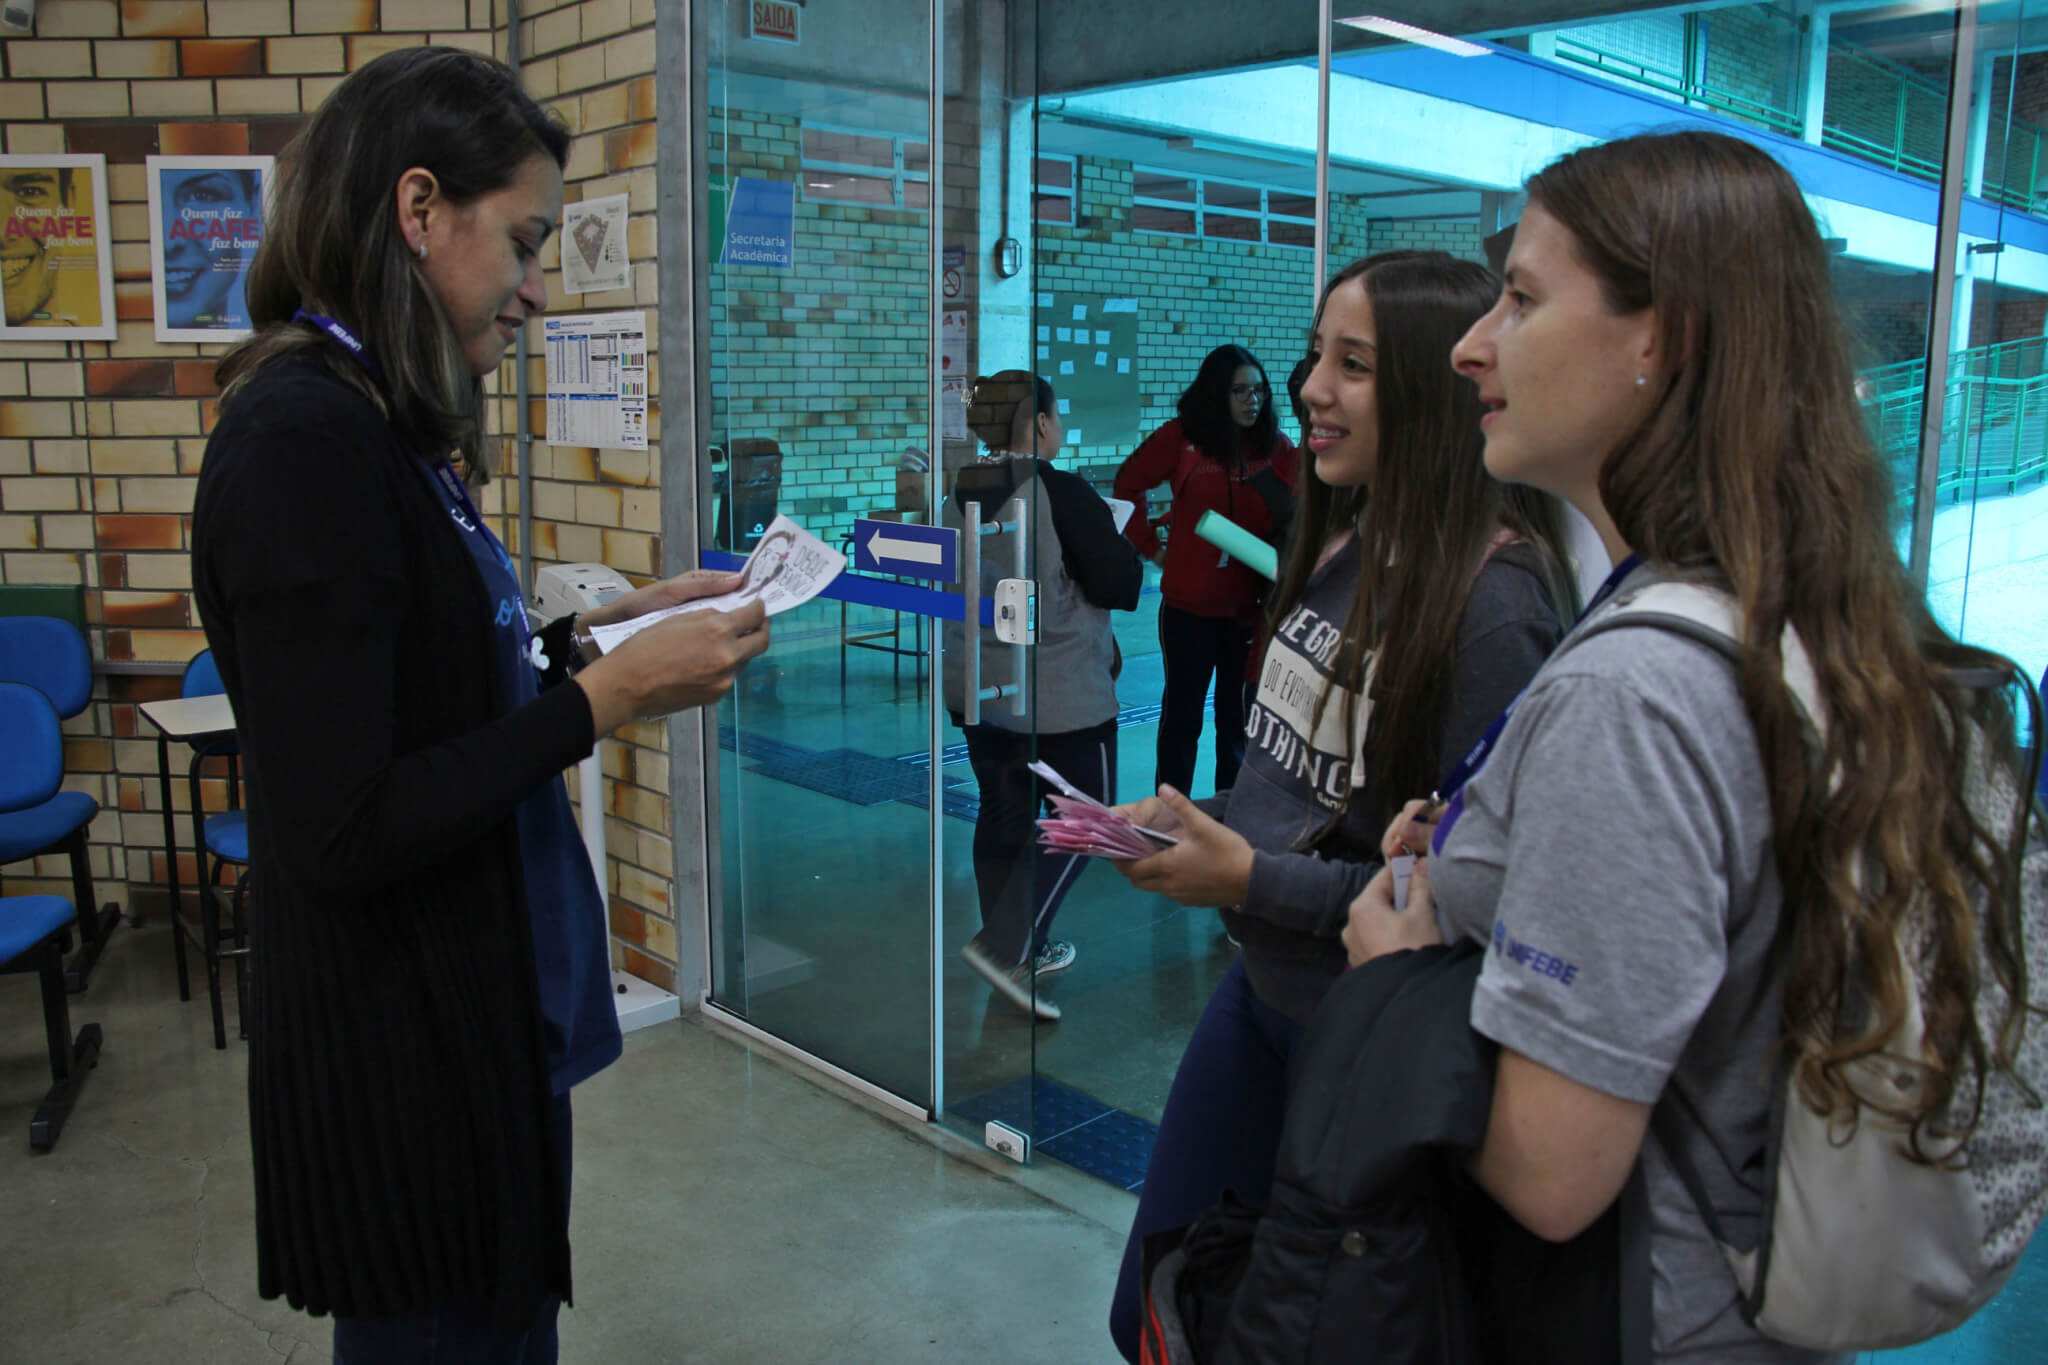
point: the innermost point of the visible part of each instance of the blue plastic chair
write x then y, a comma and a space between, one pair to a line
33, 929
222, 841
51, 656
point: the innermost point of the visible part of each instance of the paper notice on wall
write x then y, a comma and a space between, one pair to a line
953, 407
594, 246
953, 343
597, 380
789, 566
1120, 510
1120, 306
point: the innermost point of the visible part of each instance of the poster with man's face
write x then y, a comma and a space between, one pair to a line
205, 223
56, 264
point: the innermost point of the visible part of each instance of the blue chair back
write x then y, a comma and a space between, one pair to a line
31, 747
202, 677
49, 655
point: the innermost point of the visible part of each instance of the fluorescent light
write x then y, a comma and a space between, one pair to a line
1394, 28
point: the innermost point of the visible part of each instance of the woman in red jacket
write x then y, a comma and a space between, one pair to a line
1225, 452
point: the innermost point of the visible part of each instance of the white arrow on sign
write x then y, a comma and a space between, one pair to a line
913, 551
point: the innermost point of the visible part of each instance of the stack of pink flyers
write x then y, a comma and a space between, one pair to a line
1085, 826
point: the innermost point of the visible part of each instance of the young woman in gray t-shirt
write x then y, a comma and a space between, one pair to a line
1669, 903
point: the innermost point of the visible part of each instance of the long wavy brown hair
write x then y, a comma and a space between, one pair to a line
1755, 465
1426, 527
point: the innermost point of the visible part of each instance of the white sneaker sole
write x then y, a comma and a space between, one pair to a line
1011, 989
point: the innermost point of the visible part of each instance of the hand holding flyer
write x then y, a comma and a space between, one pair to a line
788, 568
1085, 826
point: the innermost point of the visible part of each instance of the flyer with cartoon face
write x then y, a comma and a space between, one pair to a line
789, 566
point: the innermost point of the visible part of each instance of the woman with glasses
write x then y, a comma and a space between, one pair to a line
1223, 453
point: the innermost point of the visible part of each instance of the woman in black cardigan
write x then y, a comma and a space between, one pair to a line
431, 966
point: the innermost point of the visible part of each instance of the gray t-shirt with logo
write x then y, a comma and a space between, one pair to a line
1615, 851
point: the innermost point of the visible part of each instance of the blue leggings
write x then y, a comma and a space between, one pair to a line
1221, 1129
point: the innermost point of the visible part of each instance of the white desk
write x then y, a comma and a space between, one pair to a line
194, 721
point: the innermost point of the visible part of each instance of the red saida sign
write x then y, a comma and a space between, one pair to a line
773, 19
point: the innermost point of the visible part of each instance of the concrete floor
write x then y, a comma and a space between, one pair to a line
727, 1210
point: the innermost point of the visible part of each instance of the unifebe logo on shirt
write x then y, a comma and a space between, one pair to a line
1512, 949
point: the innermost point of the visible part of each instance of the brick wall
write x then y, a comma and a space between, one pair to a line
1886, 333
592, 62
827, 359
1461, 237
1194, 294
1752, 56
100, 441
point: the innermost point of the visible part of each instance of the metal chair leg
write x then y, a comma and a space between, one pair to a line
209, 937
70, 1059
95, 927
163, 777
241, 931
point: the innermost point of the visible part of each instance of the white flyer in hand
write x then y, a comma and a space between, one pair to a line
789, 566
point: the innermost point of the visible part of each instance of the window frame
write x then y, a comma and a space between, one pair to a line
896, 174
1071, 193
1202, 210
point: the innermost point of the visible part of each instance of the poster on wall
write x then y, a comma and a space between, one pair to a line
56, 264
205, 222
597, 380
594, 246
760, 223
953, 375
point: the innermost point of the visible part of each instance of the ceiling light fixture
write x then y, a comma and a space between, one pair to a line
1408, 33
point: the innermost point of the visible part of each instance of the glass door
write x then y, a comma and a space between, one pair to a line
819, 342
856, 184
1988, 556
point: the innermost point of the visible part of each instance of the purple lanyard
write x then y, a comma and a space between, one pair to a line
349, 340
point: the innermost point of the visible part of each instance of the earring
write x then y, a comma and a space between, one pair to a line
1642, 381
421, 250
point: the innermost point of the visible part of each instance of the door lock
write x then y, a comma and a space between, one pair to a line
1016, 611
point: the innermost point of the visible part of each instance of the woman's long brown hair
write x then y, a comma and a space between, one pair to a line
1426, 528
1755, 465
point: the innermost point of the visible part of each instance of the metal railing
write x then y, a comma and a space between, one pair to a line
1994, 423
1874, 108
1675, 85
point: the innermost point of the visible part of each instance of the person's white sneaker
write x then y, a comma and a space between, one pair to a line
1056, 956
1013, 984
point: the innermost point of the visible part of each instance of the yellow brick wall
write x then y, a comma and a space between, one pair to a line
592, 61
100, 442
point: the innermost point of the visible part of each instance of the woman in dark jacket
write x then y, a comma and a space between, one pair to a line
1223, 453
431, 967
1067, 718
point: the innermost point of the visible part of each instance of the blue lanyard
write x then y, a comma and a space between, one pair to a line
349, 340
1453, 786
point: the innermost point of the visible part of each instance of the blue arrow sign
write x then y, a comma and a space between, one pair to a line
906, 550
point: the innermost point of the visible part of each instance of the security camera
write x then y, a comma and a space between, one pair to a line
19, 15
